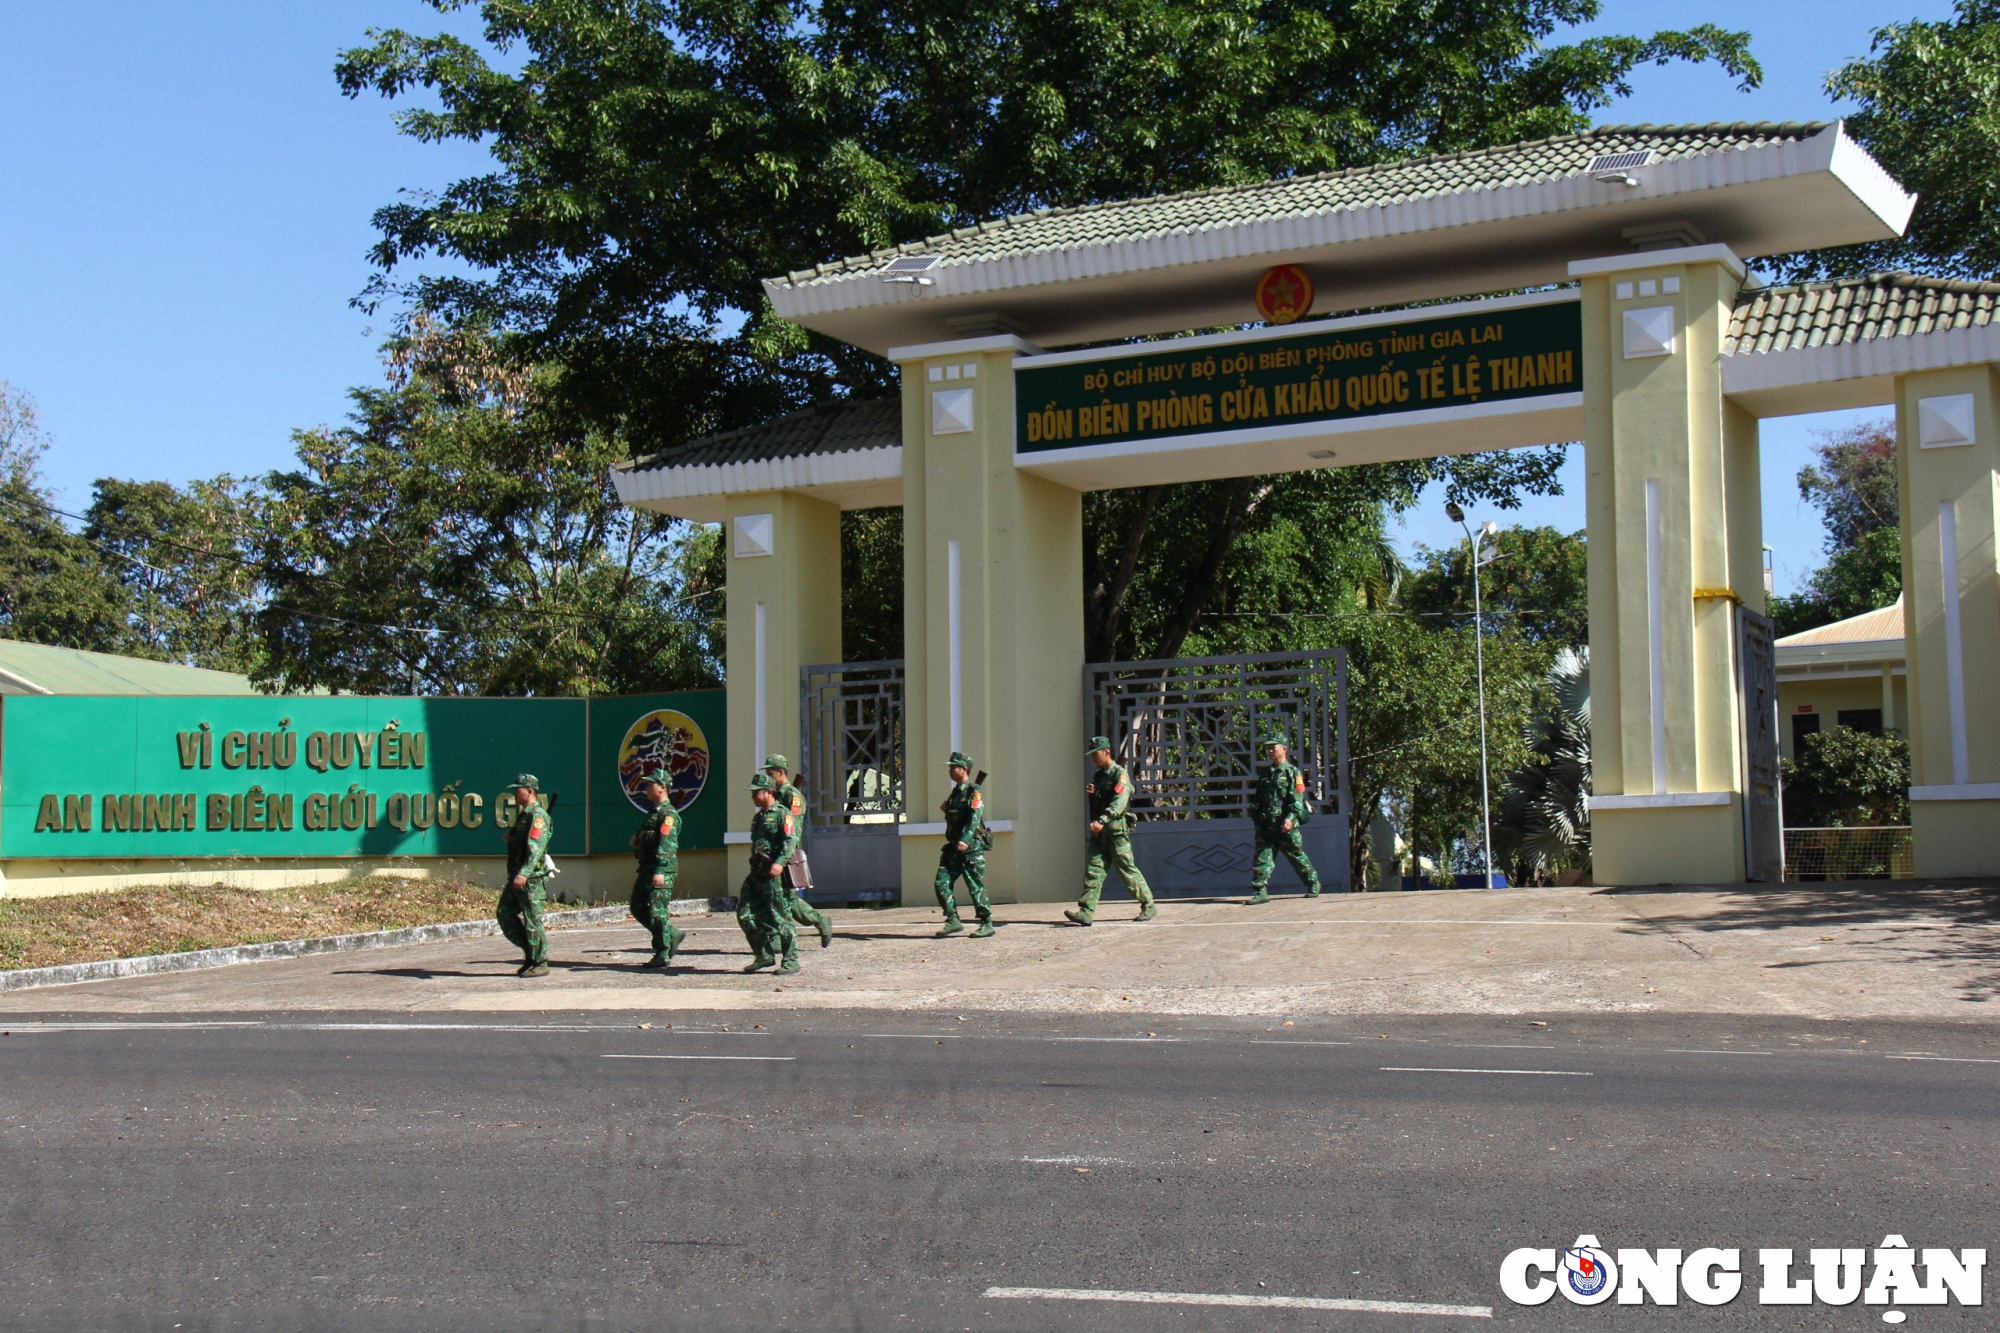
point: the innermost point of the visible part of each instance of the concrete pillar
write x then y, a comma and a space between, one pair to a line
783, 567
1676, 540
992, 625
1948, 452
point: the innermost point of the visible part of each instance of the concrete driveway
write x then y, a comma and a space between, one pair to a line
1928, 951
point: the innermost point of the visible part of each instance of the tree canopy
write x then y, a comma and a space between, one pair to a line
1852, 482
1928, 96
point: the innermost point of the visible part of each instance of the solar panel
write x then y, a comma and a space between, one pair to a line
1620, 161
912, 264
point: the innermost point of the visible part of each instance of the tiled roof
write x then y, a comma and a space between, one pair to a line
837, 427
1852, 310
1868, 627
1330, 192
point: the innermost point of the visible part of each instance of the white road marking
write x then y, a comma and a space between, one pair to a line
125, 1027
1431, 1069
697, 1057
1383, 921
1142, 1040
927, 1036
1297, 1041
1946, 1059
1255, 1302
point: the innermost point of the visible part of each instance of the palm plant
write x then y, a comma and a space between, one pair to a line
1544, 821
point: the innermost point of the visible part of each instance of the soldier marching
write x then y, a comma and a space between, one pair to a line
770, 901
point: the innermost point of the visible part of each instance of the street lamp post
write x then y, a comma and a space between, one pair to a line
1473, 548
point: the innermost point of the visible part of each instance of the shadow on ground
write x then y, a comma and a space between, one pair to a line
1949, 923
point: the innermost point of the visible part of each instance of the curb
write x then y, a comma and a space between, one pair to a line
109, 969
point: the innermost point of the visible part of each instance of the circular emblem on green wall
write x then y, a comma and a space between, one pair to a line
664, 738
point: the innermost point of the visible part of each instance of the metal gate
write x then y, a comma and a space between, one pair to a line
851, 766
1187, 729
1763, 813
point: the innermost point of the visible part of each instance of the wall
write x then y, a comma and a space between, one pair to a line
1828, 698
101, 792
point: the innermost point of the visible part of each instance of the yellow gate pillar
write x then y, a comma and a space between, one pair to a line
992, 625
783, 569
1948, 451
1675, 537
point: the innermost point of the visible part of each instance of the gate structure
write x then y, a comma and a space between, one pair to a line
1187, 730
851, 734
1763, 815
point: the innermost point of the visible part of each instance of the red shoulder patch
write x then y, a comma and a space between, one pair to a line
667, 824
975, 800
1302, 782
788, 826
537, 827
798, 805
1118, 790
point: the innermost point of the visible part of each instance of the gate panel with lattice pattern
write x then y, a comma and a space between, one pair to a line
1187, 729
851, 766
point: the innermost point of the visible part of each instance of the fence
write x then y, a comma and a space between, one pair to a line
1848, 853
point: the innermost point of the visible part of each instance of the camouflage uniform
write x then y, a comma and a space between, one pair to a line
520, 910
761, 901
964, 822
798, 871
1110, 793
1281, 796
657, 846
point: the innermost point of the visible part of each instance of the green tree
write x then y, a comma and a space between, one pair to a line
1543, 824
184, 558
655, 159
1852, 482
1842, 778
1538, 586
1413, 729
455, 539
1928, 97
54, 586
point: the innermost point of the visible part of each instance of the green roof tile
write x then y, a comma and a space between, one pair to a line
825, 428
1330, 192
1852, 310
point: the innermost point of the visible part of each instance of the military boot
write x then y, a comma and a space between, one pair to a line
535, 970
952, 925
825, 924
1261, 896
985, 928
1147, 913
657, 963
1081, 918
760, 962
789, 965
674, 937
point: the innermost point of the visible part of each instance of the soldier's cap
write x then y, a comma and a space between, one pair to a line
658, 775
1097, 743
528, 780
763, 782
959, 759
777, 761
1275, 738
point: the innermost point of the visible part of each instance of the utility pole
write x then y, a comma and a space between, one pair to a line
1474, 549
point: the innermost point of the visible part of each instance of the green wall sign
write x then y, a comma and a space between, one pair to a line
1157, 390
157, 777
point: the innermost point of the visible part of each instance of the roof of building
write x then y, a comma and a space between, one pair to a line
824, 428
39, 668
1327, 192
1851, 310
1868, 627
1399, 233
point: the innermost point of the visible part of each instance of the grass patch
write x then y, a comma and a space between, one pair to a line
126, 923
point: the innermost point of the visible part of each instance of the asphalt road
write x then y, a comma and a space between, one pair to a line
881, 1171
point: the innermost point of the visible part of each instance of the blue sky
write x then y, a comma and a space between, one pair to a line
188, 200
